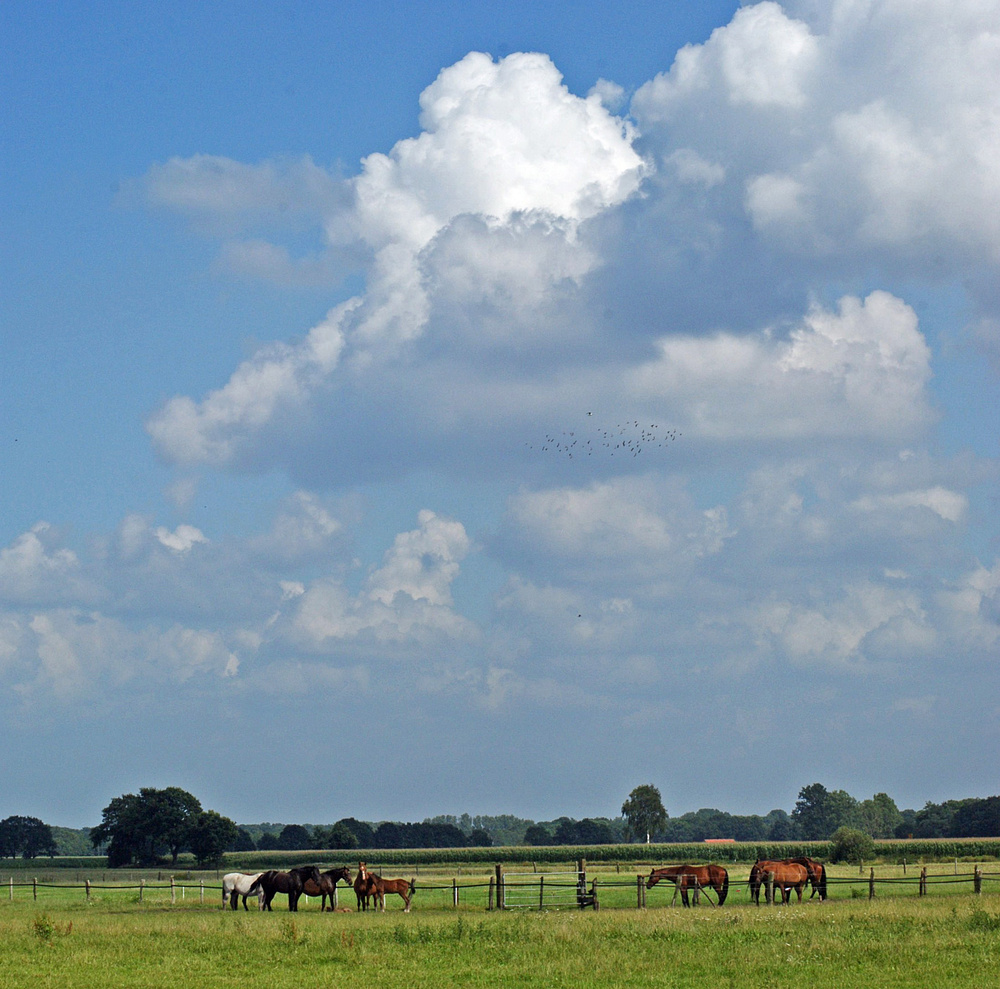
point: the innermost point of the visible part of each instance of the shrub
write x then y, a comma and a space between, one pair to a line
851, 845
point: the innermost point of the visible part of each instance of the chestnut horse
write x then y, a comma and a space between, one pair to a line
686, 877
327, 885
788, 875
364, 887
382, 886
292, 882
817, 875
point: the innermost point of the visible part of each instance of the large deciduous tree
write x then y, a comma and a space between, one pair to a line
141, 828
644, 812
819, 812
25, 836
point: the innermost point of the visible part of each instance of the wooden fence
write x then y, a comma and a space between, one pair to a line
540, 891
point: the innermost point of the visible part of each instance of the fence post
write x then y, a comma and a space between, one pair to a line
173, 892
34, 888
581, 882
201, 892
904, 866
977, 880
142, 884
593, 893
87, 884
500, 903
541, 892
489, 903
454, 893
923, 882
871, 885
12, 889
638, 892
769, 889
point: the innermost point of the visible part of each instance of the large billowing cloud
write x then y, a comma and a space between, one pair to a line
530, 176
866, 126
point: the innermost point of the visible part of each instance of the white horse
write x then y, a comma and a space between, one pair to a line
237, 884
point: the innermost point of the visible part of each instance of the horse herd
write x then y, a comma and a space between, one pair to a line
309, 880
786, 875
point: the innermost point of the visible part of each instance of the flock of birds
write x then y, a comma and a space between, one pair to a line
626, 439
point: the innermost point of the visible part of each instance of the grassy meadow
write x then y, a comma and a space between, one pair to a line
948, 937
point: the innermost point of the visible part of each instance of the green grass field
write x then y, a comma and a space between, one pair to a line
949, 937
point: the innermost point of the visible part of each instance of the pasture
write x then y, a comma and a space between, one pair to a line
61, 939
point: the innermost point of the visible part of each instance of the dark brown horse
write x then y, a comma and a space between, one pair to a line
788, 875
327, 885
382, 886
686, 877
292, 882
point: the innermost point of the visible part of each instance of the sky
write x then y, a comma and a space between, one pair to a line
490, 409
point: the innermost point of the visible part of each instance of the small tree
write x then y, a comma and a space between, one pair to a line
851, 845
210, 835
537, 835
341, 837
243, 843
295, 838
361, 830
644, 813
480, 838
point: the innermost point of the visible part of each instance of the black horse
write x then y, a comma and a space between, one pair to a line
292, 882
327, 885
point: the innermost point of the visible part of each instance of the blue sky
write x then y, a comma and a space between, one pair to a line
304, 311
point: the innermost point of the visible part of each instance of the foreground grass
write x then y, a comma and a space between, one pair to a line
889, 943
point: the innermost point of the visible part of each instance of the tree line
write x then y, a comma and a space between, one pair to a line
155, 826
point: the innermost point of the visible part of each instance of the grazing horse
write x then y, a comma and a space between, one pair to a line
684, 877
327, 885
236, 884
364, 886
817, 875
292, 882
788, 875
382, 886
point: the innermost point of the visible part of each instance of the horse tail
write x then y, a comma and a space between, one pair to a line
255, 885
822, 882
724, 892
